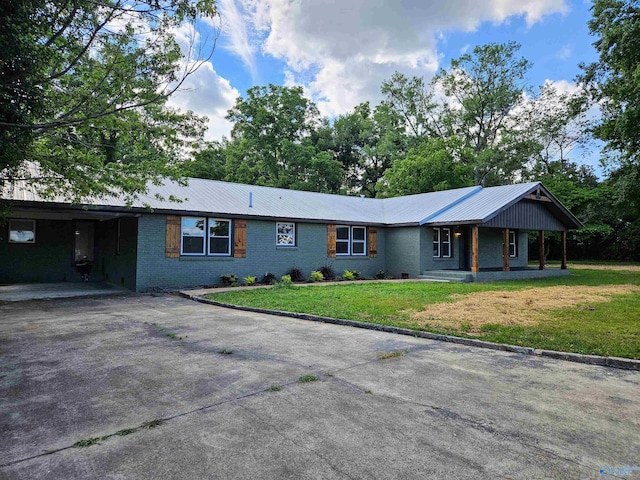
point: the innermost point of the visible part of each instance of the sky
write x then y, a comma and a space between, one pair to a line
340, 51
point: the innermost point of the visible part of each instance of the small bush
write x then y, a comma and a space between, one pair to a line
269, 278
296, 274
380, 275
229, 280
327, 272
308, 378
356, 274
249, 280
348, 275
285, 282
316, 277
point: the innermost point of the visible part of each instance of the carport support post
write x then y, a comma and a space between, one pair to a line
505, 250
563, 265
541, 250
474, 249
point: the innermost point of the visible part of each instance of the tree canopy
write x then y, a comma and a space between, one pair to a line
84, 87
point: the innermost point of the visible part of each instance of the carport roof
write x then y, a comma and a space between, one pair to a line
216, 198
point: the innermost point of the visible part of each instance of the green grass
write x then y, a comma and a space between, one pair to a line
612, 328
308, 378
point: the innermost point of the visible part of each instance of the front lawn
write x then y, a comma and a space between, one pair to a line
591, 311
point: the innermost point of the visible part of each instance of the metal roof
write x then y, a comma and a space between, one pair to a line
486, 203
216, 198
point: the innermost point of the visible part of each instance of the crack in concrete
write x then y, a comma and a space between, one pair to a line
297, 444
456, 417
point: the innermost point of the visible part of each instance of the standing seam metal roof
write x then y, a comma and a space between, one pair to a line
213, 198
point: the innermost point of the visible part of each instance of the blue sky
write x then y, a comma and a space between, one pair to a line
341, 50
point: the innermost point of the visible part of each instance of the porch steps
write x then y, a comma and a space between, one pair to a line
446, 276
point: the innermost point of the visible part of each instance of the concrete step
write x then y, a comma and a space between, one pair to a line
446, 276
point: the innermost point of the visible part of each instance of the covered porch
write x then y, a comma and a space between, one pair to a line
491, 242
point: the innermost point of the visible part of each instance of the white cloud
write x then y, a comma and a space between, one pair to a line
565, 52
341, 50
206, 93
235, 28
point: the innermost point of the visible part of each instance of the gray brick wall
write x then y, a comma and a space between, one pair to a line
402, 251
490, 249
154, 270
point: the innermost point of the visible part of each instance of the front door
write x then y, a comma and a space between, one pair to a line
464, 247
84, 242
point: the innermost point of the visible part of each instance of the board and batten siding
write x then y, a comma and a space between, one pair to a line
526, 215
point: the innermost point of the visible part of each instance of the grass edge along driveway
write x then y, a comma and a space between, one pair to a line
603, 319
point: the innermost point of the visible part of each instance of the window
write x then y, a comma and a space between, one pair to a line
442, 242
359, 235
351, 240
285, 234
219, 237
513, 243
22, 231
194, 241
342, 240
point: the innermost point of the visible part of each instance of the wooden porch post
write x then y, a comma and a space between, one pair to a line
474, 249
541, 250
563, 265
505, 250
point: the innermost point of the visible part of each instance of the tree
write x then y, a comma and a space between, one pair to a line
484, 89
614, 83
428, 167
84, 85
273, 142
366, 142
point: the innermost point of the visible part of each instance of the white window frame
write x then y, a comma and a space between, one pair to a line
363, 241
513, 243
209, 237
438, 241
206, 242
33, 229
292, 234
448, 242
204, 237
347, 240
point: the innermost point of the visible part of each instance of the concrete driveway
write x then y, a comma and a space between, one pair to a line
78, 370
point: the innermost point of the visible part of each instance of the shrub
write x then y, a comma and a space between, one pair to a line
296, 274
249, 280
347, 275
380, 274
229, 280
268, 279
327, 272
316, 277
285, 282
356, 274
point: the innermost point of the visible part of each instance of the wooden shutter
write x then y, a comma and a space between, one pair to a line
239, 238
373, 249
172, 244
331, 241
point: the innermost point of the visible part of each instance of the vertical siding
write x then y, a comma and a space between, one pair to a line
155, 270
526, 214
